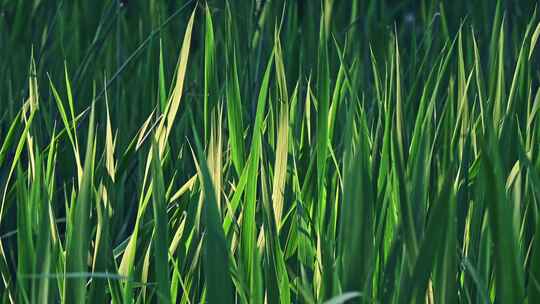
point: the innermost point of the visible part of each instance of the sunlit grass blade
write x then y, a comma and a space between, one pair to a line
280, 166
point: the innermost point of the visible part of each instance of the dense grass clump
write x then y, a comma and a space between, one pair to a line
269, 151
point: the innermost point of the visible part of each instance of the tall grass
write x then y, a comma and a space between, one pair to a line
269, 152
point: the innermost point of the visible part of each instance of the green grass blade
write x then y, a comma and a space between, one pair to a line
216, 252
78, 241
161, 234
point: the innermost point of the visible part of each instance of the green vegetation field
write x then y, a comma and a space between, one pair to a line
269, 151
